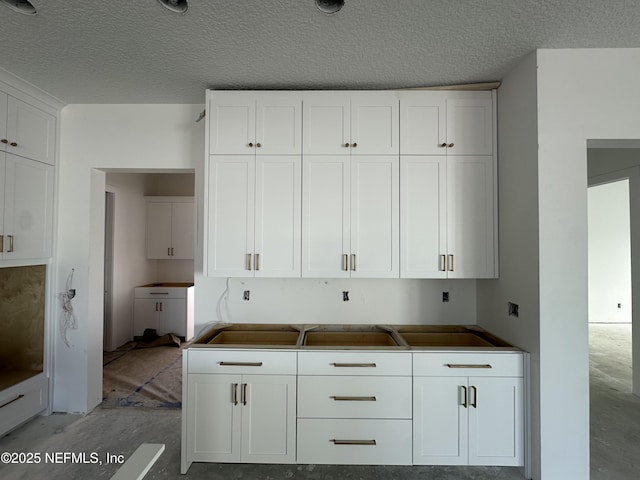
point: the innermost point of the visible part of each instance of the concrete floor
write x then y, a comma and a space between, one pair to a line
615, 442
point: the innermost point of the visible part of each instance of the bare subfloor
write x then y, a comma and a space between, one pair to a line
615, 439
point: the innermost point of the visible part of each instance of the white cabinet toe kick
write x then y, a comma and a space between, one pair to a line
253, 405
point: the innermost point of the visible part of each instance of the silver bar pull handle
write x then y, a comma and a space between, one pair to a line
240, 364
467, 365
1, 243
353, 399
234, 399
244, 394
353, 442
474, 404
464, 395
248, 260
10, 244
160, 306
158, 293
345, 262
257, 261
442, 265
354, 365
450, 262
168, 251
172, 254
156, 306
353, 262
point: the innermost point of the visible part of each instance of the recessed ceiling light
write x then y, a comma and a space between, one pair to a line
178, 6
20, 6
329, 6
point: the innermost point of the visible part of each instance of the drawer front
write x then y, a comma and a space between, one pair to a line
159, 293
22, 402
354, 363
468, 364
254, 362
354, 397
354, 442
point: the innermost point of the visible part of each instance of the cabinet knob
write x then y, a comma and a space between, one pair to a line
442, 145
354, 144
258, 144
450, 145
347, 145
251, 144
4, 140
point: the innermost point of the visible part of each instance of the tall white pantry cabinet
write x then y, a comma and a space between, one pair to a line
376, 184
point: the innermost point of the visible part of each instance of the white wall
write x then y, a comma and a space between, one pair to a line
518, 231
131, 267
609, 244
143, 137
582, 94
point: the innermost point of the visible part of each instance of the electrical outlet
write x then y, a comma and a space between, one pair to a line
619, 305
245, 295
513, 310
345, 296
445, 296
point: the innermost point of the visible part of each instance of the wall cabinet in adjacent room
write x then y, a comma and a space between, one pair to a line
170, 227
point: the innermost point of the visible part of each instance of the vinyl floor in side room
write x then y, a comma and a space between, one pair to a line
615, 436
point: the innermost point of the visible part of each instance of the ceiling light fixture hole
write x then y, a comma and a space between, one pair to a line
21, 6
329, 6
177, 6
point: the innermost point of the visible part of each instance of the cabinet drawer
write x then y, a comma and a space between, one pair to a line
159, 293
354, 363
21, 402
354, 397
468, 364
255, 362
354, 442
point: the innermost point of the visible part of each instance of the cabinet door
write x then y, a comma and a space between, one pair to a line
230, 244
3, 122
439, 421
172, 317
182, 230
32, 129
28, 209
375, 124
326, 118
268, 418
423, 119
496, 432
374, 216
213, 418
279, 124
3, 163
423, 215
158, 230
470, 217
325, 216
277, 216
145, 315
470, 125
232, 123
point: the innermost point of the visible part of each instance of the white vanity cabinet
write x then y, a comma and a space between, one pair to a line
468, 409
170, 227
239, 406
166, 309
354, 407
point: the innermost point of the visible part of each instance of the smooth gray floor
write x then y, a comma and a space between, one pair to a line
615, 442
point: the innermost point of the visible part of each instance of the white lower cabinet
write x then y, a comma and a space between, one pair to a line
165, 310
460, 419
22, 401
238, 417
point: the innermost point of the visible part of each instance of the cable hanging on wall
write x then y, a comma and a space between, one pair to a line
68, 320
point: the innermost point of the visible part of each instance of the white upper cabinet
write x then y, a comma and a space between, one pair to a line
254, 122
356, 123
26, 130
170, 228
26, 229
254, 216
446, 123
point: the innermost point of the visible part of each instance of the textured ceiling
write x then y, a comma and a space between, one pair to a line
123, 51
